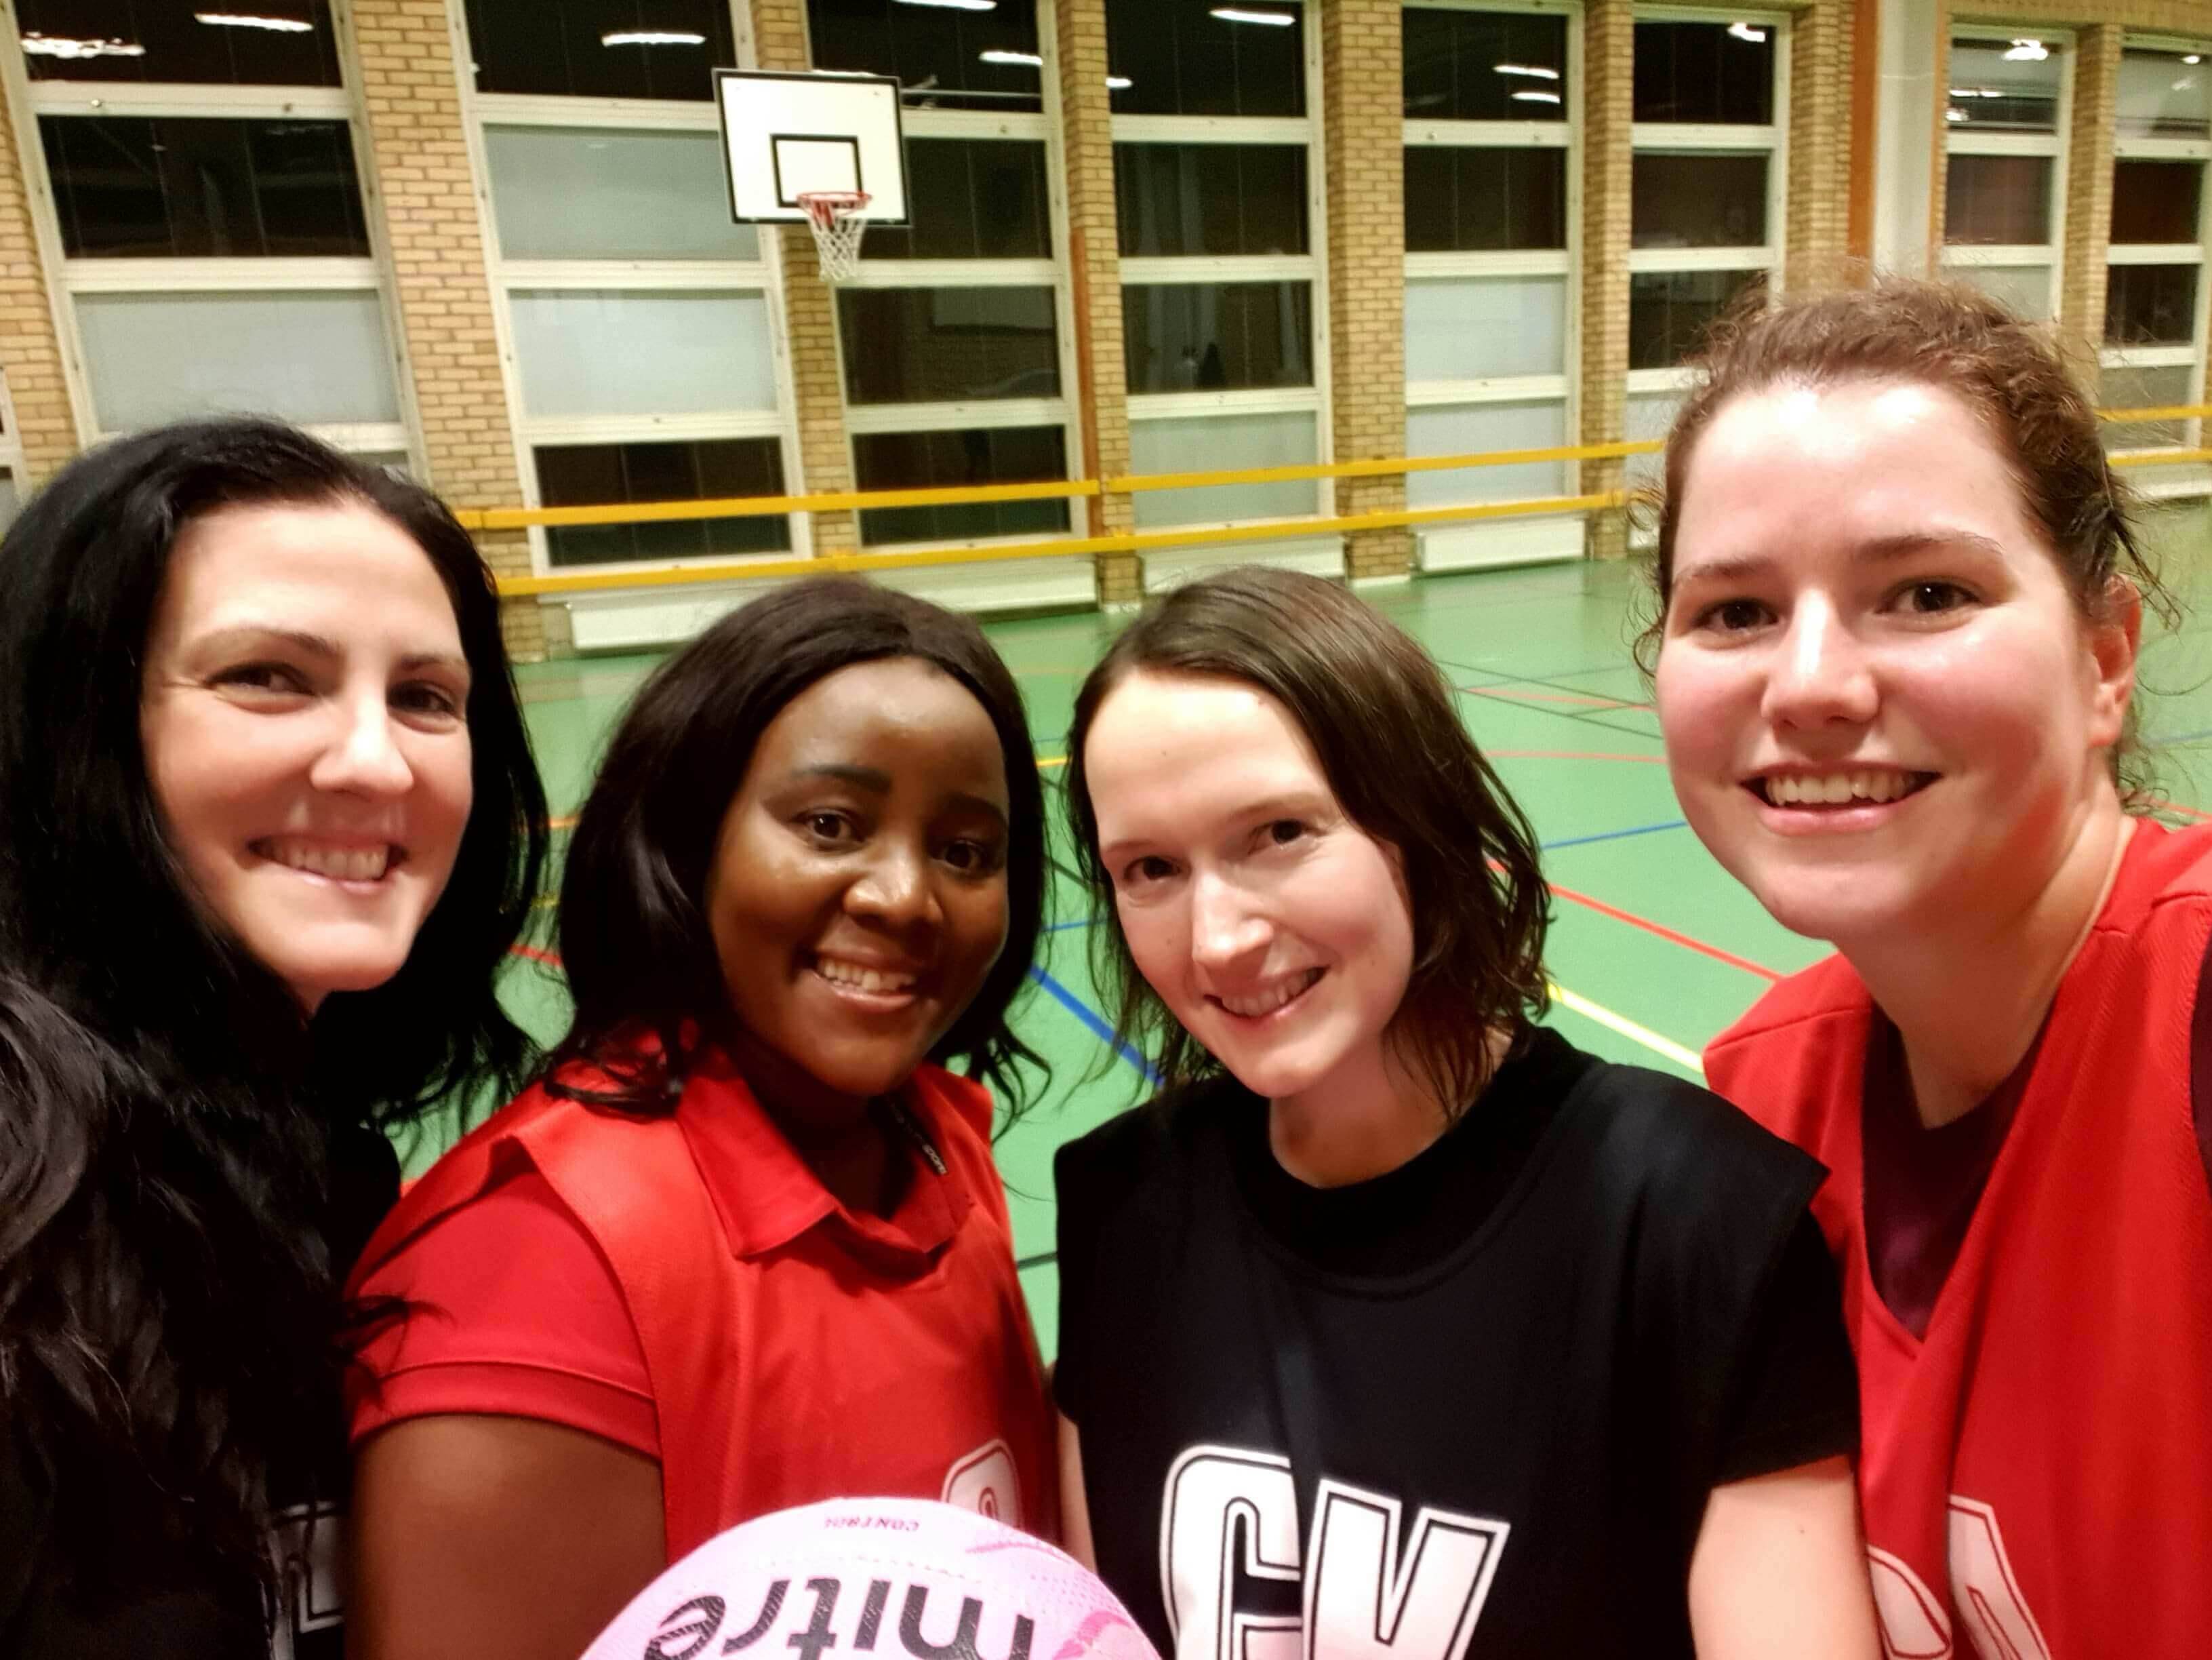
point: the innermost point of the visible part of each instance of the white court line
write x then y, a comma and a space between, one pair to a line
1628, 1029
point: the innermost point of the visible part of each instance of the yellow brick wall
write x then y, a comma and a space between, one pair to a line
2089, 186
1608, 106
418, 175
30, 347
1817, 234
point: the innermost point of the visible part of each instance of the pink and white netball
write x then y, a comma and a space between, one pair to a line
888, 1577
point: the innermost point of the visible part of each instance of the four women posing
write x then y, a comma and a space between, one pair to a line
1397, 1324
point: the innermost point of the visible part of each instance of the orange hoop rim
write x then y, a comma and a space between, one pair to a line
824, 206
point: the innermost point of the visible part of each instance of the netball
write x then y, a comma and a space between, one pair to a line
891, 1576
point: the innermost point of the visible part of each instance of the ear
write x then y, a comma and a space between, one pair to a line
2113, 639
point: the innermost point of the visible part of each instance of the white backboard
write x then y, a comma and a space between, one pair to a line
783, 134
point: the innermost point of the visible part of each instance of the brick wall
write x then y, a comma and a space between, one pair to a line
2089, 187
1363, 144
418, 175
1609, 106
30, 347
1817, 233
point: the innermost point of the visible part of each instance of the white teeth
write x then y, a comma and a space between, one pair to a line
1268, 1001
861, 979
1835, 788
339, 863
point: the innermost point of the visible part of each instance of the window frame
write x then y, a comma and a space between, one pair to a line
2049, 256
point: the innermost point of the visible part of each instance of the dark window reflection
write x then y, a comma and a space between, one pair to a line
947, 460
2155, 201
1700, 201
559, 47
599, 475
1482, 201
942, 345
1216, 337
1211, 199
1179, 58
2150, 305
1997, 200
175, 46
1669, 311
1485, 66
174, 187
936, 52
980, 199
1705, 72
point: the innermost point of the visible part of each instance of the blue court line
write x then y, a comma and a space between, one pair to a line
1615, 836
2155, 740
1096, 1024
1061, 927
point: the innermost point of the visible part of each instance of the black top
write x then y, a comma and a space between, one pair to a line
1494, 1385
169, 1598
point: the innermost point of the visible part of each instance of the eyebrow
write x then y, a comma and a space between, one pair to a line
1283, 804
1880, 550
315, 645
876, 781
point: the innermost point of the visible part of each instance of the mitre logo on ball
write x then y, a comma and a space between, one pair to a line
890, 1576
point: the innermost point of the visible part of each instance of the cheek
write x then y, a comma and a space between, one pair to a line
1156, 940
1699, 704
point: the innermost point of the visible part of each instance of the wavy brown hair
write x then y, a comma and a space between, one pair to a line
1385, 724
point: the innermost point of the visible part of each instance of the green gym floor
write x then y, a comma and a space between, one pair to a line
1653, 949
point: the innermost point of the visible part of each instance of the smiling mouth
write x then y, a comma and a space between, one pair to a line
858, 978
335, 864
1259, 1004
1856, 787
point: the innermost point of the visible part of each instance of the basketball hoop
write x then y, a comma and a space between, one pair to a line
834, 217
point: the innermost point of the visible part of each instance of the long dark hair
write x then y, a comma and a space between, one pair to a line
1382, 723
635, 938
167, 1296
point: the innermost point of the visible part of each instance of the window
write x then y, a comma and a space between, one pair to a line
970, 198
603, 193
167, 41
943, 346
1173, 58
946, 58
951, 460
600, 48
599, 475
2005, 123
1174, 200
1707, 182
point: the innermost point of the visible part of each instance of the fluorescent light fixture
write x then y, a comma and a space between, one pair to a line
2193, 57
61, 46
1119, 83
652, 38
1281, 19
1954, 114
1536, 97
1746, 32
2026, 51
1029, 57
235, 19
1530, 69
956, 5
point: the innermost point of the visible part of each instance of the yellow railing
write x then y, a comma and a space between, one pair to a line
637, 576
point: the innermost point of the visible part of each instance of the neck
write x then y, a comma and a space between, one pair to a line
1969, 996
1366, 1119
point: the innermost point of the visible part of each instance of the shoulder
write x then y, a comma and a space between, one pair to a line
2162, 895
1829, 990
1147, 1145
1667, 1138
960, 1103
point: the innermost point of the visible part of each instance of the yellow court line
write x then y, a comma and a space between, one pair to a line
1627, 1028
2165, 412
2158, 458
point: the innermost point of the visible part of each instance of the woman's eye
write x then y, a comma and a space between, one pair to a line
1734, 616
1151, 868
1283, 831
972, 858
830, 827
1929, 598
275, 678
422, 698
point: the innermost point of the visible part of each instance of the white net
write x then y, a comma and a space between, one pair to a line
835, 218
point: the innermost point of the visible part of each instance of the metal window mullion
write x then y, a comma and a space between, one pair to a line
1251, 400
956, 274
1219, 268
1488, 135
240, 275
2154, 253
638, 275
1285, 130
1653, 262
553, 431
1489, 389
970, 415
507, 109
186, 101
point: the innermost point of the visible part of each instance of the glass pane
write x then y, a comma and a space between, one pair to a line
947, 460
594, 193
1212, 337
167, 41
1698, 201
2156, 201
1211, 199
1485, 66
1223, 441
2000, 86
2025, 289
982, 198
176, 188
1706, 73
10, 499
600, 48
1174, 57
312, 358
1470, 429
1997, 198
1669, 311
600, 475
2169, 387
1481, 201
1648, 416
946, 58
943, 346
2164, 95
1469, 328
586, 351
2150, 305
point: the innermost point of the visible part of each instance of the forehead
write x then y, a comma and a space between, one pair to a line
899, 716
1172, 751
341, 570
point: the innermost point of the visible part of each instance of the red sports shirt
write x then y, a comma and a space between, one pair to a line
687, 1287
2037, 1468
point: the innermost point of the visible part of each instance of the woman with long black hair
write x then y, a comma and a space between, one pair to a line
269, 825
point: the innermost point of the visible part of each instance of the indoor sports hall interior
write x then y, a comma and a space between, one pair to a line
1394, 293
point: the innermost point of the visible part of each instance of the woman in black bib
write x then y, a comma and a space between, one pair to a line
1396, 1325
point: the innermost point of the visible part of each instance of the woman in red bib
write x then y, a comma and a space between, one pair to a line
1902, 603
744, 1247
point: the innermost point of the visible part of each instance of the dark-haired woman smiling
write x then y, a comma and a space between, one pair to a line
744, 1247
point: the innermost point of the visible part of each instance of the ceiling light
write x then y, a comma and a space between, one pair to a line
1119, 83
1281, 19
232, 20
1530, 69
59, 45
1746, 32
1536, 97
956, 5
1029, 57
1954, 114
2026, 51
2193, 57
652, 38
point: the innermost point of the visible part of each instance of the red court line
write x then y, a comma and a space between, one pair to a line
2176, 806
535, 955
1667, 933
1568, 754
1553, 698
